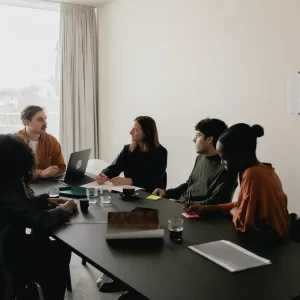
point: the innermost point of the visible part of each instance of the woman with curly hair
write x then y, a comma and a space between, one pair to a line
24, 257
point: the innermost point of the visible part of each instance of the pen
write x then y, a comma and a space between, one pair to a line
102, 175
189, 199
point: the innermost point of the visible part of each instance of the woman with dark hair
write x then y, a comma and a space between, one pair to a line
143, 162
24, 257
262, 204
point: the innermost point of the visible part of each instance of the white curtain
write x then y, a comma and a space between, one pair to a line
78, 82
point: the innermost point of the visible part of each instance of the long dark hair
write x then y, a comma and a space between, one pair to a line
17, 160
150, 132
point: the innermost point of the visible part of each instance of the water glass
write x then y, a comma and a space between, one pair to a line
105, 196
53, 192
175, 227
92, 195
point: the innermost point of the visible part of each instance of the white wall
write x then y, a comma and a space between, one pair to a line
182, 60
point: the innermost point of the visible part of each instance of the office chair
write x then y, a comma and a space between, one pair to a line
38, 287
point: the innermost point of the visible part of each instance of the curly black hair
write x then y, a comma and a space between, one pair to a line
17, 161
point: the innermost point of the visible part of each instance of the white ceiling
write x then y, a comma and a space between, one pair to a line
51, 4
83, 2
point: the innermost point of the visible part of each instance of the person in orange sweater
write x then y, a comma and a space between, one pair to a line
47, 150
262, 204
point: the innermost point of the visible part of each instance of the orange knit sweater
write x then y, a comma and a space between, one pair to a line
48, 152
261, 202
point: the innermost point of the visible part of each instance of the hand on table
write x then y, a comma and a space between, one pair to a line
49, 172
159, 192
101, 178
194, 207
121, 181
70, 206
57, 201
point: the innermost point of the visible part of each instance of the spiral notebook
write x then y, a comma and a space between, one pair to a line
230, 256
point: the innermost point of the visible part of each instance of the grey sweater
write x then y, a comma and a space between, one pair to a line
209, 183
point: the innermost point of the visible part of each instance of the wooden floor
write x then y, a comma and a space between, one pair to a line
84, 282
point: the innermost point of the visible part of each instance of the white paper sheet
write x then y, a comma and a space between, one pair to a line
230, 256
107, 185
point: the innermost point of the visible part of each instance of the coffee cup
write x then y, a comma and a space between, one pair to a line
84, 205
128, 192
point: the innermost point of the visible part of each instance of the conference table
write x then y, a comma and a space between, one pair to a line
166, 270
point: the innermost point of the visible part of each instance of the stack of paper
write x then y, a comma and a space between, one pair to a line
230, 256
107, 185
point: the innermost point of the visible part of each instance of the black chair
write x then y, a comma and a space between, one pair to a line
38, 287
69, 283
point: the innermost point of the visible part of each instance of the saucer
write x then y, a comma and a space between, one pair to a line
134, 197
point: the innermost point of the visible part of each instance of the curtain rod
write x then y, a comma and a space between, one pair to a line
61, 2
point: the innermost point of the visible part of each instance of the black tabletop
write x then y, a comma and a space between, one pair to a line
172, 271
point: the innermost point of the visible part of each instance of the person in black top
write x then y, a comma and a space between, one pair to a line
143, 162
25, 257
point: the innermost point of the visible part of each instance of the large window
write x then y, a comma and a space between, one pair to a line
28, 60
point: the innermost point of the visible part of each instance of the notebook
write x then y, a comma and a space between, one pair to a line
72, 192
133, 225
230, 256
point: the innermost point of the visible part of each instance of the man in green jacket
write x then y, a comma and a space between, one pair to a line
209, 182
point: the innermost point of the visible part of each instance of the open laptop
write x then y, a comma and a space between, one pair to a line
76, 167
